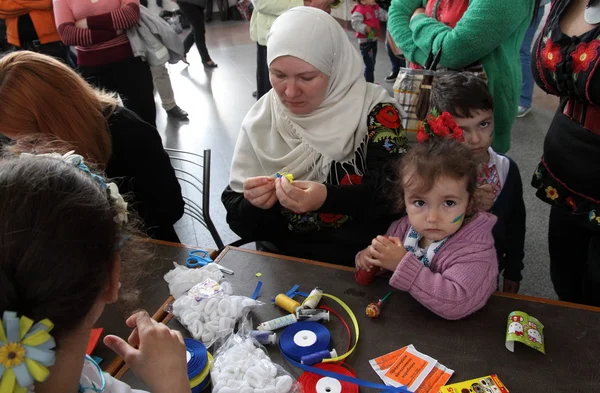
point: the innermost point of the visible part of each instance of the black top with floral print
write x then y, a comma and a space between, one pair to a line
357, 207
569, 173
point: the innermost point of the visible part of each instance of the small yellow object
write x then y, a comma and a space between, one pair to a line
287, 303
259, 274
11, 355
285, 174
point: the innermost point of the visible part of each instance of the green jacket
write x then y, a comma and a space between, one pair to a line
490, 31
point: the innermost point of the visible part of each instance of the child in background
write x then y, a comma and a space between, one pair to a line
63, 259
467, 98
365, 21
442, 252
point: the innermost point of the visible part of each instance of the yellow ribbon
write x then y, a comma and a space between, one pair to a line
24, 325
38, 372
354, 322
198, 379
2, 335
37, 338
8, 381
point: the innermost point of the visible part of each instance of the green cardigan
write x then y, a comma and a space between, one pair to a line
490, 31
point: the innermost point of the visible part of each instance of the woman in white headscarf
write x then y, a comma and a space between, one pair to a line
331, 130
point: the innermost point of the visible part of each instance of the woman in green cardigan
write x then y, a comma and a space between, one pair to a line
486, 31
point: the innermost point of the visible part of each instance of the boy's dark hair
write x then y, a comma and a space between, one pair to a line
59, 241
460, 94
431, 160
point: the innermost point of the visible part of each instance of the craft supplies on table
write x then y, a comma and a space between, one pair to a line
489, 383
200, 258
409, 367
199, 362
374, 309
524, 328
288, 304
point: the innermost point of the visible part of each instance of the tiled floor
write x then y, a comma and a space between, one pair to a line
217, 101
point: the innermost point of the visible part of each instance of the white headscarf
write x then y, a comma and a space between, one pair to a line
272, 138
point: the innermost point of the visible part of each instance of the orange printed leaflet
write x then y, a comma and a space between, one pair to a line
411, 368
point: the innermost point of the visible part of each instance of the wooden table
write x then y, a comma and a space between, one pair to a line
473, 347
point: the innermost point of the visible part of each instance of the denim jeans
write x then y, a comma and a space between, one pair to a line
527, 84
368, 50
395, 60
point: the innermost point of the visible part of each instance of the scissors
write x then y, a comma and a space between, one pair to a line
199, 258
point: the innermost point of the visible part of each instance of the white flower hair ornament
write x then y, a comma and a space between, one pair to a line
26, 350
111, 188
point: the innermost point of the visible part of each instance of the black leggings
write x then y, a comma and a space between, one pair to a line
130, 78
195, 15
574, 258
263, 83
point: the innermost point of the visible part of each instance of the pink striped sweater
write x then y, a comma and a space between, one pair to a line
104, 40
463, 273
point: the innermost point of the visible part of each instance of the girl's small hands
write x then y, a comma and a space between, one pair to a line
260, 191
361, 261
386, 252
418, 11
300, 196
161, 352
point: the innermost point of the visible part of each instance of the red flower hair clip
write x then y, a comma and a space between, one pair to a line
439, 126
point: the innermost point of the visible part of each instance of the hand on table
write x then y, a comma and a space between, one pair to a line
511, 286
260, 191
300, 196
418, 11
484, 197
386, 252
161, 352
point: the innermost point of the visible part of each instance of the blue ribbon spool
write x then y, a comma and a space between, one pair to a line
202, 386
198, 357
304, 338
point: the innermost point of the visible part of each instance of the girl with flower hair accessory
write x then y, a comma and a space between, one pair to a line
59, 216
442, 252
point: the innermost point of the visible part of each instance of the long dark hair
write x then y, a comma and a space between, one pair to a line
58, 241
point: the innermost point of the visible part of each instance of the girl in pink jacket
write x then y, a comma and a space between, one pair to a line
442, 252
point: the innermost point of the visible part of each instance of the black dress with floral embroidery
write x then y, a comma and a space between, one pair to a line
357, 207
569, 173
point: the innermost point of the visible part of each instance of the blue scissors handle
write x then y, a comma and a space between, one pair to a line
197, 258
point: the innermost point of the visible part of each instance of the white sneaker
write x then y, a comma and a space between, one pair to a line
522, 112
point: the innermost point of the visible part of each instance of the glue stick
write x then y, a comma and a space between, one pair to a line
310, 315
278, 323
313, 299
264, 337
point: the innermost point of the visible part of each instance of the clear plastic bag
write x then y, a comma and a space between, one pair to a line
242, 365
206, 307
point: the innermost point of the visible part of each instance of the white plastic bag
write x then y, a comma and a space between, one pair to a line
242, 366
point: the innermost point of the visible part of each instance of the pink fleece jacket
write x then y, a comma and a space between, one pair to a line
463, 273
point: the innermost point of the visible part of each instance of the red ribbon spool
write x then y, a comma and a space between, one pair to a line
309, 381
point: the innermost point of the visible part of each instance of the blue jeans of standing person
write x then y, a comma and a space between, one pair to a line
527, 84
368, 50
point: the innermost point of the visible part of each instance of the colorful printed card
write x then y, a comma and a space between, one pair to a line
525, 329
487, 384
411, 368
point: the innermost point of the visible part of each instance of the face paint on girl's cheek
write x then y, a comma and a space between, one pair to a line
458, 220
